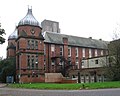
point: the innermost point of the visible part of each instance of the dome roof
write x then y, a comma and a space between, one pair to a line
29, 19
14, 35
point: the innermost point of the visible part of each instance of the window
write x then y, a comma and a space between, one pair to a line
32, 62
90, 53
61, 62
96, 61
36, 62
69, 51
77, 63
83, 52
82, 62
96, 53
76, 52
28, 61
101, 52
53, 62
52, 48
32, 44
28, 44
61, 50
36, 44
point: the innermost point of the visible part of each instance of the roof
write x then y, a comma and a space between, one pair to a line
57, 38
29, 19
13, 35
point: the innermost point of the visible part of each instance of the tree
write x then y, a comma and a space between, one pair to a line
113, 69
7, 68
2, 31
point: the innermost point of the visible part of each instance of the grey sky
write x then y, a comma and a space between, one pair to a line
84, 18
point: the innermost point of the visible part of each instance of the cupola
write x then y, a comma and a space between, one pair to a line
29, 19
14, 35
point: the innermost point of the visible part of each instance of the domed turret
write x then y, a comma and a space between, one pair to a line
29, 19
14, 35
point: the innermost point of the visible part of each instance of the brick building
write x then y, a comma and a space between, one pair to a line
38, 52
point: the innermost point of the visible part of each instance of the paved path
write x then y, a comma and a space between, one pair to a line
33, 92
2, 85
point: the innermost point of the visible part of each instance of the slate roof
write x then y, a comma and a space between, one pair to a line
56, 38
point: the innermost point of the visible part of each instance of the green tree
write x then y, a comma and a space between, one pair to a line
2, 31
7, 67
113, 69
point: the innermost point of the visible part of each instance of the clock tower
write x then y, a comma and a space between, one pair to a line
29, 50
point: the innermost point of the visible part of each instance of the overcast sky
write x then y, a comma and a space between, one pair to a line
98, 19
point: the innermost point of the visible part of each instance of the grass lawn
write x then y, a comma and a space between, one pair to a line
76, 86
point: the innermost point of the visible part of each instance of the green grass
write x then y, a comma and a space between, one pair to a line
75, 86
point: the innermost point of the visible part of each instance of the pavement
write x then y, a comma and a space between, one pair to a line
35, 92
3, 85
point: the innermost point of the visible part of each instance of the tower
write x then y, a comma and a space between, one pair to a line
50, 26
29, 50
11, 48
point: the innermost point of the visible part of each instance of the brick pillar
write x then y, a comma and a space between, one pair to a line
65, 47
65, 53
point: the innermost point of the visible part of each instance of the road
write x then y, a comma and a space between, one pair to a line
35, 92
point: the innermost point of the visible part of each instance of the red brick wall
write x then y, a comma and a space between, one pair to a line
28, 29
65, 51
10, 51
26, 79
80, 56
23, 51
86, 52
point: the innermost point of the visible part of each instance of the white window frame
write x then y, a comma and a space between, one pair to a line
61, 51
53, 48
77, 63
90, 53
83, 52
83, 64
96, 52
52, 62
101, 53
